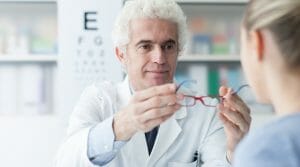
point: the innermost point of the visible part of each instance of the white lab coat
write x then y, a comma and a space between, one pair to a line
188, 130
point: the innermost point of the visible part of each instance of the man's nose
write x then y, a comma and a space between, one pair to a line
158, 55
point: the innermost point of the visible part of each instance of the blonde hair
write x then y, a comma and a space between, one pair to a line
282, 18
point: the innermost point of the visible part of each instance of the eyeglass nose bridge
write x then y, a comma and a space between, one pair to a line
188, 101
218, 98
191, 100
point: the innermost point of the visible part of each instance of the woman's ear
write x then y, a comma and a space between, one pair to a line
257, 44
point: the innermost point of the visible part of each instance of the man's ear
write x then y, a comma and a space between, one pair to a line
120, 55
257, 44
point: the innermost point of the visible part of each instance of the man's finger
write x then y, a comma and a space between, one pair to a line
157, 102
159, 112
155, 91
235, 117
238, 104
223, 90
228, 125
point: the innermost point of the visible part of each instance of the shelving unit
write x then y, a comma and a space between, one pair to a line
211, 62
29, 1
213, 1
28, 64
214, 41
209, 58
29, 58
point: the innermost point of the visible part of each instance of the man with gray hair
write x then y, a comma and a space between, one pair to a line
140, 121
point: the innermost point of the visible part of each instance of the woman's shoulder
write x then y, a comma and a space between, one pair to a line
281, 126
272, 141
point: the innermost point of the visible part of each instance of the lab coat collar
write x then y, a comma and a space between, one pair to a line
137, 146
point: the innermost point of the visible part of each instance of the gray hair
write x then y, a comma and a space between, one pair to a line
161, 9
282, 18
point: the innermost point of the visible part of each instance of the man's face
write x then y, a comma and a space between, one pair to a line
151, 55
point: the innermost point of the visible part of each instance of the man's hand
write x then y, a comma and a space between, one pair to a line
147, 109
235, 115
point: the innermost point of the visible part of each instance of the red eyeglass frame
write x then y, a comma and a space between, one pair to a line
200, 98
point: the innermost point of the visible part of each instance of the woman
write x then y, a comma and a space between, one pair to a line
271, 60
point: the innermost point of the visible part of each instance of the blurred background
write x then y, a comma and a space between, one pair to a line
50, 50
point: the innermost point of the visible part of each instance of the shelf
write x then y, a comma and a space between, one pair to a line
30, 1
214, 1
29, 58
209, 58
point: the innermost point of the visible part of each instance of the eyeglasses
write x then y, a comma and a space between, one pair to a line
190, 100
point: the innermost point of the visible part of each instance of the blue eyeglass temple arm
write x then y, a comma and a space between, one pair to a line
194, 82
186, 81
240, 88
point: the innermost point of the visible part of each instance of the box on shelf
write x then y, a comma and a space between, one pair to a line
24, 90
31, 30
27, 29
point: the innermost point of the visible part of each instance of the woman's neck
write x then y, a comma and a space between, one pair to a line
285, 94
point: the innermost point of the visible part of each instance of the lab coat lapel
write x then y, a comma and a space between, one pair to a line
167, 134
136, 150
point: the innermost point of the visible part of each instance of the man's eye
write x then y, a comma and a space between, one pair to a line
169, 46
144, 48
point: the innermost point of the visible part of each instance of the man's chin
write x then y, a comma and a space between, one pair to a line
156, 82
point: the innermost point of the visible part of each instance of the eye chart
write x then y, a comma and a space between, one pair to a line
86, 53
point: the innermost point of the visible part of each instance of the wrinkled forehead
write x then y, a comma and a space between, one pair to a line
155, 30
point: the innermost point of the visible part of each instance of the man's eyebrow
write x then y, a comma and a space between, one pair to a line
143, 42
170, 41
150, 41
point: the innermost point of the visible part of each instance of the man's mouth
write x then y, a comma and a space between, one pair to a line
157, 71
158, 76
